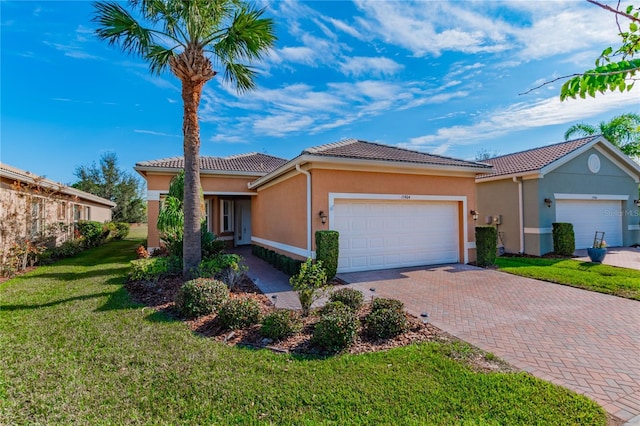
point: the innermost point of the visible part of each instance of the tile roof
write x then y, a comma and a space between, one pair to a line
252, 162
533, 159
357, 149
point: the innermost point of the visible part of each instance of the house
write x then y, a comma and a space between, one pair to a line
36, 208
393, 207
587, 182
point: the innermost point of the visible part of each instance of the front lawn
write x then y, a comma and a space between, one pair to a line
76, 349
590, 276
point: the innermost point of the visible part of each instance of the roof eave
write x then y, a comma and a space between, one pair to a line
173, 170
532, 173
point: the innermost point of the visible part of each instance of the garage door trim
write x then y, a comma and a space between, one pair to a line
604, 197
333, 196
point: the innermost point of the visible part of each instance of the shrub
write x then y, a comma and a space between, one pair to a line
239, 313
210, 268
92, 233
211, 246
281, 324
309, 284
336, 329
329, 307
154, 268
383, 303
564, 241
349, 296
327, 251
486, 245
201, 296
120, 231
67, 249
386, 323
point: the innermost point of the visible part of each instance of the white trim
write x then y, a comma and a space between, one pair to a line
633, 227
470, 245
610, 197
308, 176
333, 196
284, 247
228, 193
230, 215
225, 238
520, 213
538, 230
617, 163
153, 195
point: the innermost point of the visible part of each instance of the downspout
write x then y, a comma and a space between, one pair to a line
306, 173
520, 212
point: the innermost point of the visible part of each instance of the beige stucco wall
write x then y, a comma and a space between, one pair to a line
501, 198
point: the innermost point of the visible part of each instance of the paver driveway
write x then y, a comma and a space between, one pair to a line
585, 341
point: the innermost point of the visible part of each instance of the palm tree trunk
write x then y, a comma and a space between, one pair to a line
191, 251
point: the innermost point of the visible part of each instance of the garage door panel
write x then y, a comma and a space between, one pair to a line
395, 234
589, 216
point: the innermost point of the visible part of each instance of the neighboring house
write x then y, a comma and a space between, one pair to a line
393, 207
587, 182
38, 209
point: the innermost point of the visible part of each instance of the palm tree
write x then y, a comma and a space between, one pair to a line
185, 36
623, 131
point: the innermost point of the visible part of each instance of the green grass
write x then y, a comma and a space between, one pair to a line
590, 276
75, 349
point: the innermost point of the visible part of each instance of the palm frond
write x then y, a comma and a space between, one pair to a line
242, 76
159, 57
580, 129
119, 27
248, 37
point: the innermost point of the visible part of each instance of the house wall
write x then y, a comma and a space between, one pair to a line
501, 198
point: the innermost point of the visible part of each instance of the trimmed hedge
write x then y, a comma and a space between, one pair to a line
93, 233
564, 240
281, 324
486, 245
239, 313
201, 296
349, 296
279, 261
337, 329
327, 249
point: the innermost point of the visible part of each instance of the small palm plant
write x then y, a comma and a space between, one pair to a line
309, 283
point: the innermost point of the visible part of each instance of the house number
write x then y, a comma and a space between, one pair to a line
405, 197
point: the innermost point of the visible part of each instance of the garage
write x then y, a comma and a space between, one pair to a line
384, 234
589, 216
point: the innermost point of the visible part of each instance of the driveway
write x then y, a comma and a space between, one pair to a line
588, 342
624, 257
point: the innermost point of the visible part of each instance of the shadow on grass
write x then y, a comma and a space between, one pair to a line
74, 276
53, 303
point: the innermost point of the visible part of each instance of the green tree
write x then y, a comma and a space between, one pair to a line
108, 181
184, 36
623, 131
614, 70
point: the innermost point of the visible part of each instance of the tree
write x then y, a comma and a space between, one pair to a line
184, 35
484, 154
110, 182
623, 131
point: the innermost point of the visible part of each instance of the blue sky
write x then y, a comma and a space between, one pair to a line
441, 77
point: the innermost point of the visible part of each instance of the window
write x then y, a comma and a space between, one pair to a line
226, 216
77, 212
206, 218
37, 212
87, 213
62, 210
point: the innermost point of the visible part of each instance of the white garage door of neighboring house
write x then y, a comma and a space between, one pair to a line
589, 216
390, 234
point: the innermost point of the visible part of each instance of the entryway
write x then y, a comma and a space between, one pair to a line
242, 234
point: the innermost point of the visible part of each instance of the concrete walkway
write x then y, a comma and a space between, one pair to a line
624, 257
588, 342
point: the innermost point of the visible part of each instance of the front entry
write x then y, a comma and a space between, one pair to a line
243, 222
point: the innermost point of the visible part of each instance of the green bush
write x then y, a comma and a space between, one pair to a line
214, 267
336, 329
309, 283
281, 324
154, 268
92, 233
327, 251
329, 307
211, 246
486, 245
239, 313
67, 249
385, 323
383, 303
121, 230
202, 296
349, 296
564, 241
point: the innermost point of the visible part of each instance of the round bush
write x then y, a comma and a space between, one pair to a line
239, 313
336, 329
383, 303
201, 296
349, 296
385, 323
281, 324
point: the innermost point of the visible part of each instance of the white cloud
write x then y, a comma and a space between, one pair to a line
344, 27
151, 132
378, 66
280, 125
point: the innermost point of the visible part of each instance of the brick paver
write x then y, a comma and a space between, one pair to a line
625, 257
586, 341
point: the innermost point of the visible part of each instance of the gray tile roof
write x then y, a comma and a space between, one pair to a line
533, 159
357, 149
252, 162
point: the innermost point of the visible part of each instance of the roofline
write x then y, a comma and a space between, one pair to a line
141, 169
310, 158
24, 176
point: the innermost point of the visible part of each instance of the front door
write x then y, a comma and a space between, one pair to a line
243, 222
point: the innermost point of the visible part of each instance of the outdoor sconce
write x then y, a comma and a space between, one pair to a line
636, 202
548, 202
474, 214
323, 217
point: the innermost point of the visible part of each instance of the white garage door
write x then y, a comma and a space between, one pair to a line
391, 234
589, 216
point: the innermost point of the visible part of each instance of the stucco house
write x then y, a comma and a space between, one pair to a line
393, 207
587, 182
36, 208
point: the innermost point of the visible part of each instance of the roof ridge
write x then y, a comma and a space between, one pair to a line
324, 147
588, 138
231, 157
